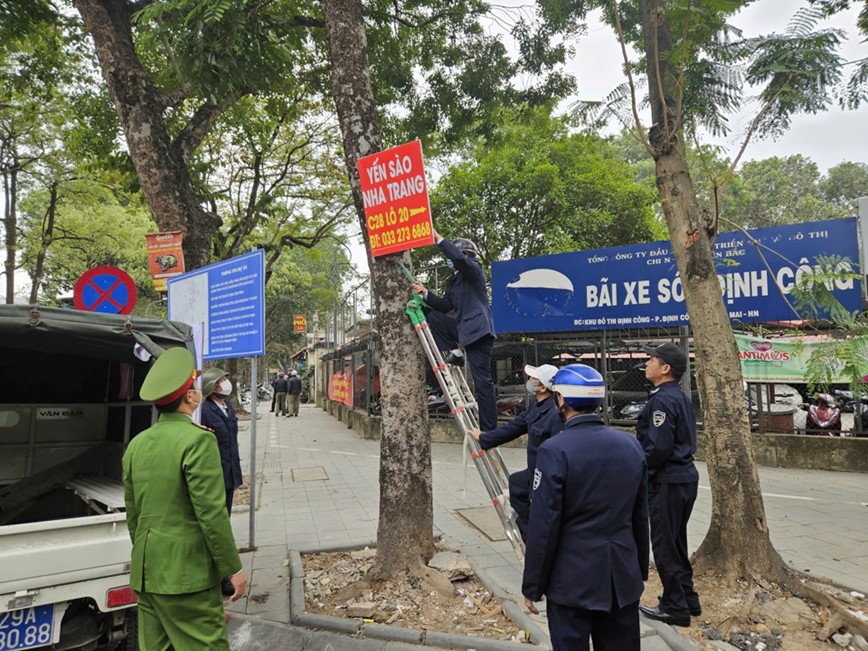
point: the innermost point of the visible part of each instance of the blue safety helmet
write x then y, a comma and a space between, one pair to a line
580, 386
466, 246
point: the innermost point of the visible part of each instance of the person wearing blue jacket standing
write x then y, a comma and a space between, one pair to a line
587, 541
666, 428
540, 421
472, 327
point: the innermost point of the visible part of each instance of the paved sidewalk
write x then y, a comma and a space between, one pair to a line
818, 519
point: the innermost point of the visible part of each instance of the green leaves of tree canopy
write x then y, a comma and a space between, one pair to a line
534, 188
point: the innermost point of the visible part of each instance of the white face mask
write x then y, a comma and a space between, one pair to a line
225, 387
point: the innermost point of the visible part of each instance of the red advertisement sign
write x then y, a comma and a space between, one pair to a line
395, 195
165, 257
299, 323
341, 388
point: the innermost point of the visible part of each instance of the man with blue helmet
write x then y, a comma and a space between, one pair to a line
666, 428
587, 544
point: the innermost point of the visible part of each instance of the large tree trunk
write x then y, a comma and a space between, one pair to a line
10, 225
404, 534
160, 165
45, 242
737, 543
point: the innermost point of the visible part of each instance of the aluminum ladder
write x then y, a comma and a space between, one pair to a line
462, 405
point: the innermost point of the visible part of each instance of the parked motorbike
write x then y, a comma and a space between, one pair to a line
263, 392
859, 408
510, 406
824, 415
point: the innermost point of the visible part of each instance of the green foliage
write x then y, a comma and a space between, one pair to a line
776, 191
94, 226
846, 351
219, 48
534, 188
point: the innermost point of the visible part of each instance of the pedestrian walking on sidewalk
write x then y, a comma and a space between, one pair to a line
280, 388
587, 543
472, 326
540, 421
177, 518
293, 393
666, 428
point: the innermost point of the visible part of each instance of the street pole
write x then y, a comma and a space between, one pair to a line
253, 402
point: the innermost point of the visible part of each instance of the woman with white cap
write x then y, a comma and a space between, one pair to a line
540, 422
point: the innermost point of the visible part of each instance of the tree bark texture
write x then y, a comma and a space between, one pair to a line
160, 165
45, 242
10, 225
737, 543
405, 529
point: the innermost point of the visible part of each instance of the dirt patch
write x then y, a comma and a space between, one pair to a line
335, 584
241, 496
764, 616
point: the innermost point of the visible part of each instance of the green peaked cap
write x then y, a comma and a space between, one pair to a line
210, 378
170, 372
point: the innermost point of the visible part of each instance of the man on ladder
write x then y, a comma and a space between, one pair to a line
472, 327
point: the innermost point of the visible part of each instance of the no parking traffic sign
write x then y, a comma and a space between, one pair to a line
105, 289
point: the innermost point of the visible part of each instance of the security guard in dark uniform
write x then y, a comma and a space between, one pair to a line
472, 327
666, 428
587, 544
540, 421
176, 514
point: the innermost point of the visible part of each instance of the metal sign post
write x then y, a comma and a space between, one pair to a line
253, 402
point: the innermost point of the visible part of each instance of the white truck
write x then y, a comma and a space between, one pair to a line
69, 386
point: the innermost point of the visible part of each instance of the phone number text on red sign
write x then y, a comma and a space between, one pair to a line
395, 196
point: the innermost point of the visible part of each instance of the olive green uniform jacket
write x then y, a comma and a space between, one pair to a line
176, 509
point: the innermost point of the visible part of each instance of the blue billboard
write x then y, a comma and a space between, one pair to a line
639, 285
228, 299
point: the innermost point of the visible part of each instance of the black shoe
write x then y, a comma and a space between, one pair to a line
695, 611
666, 618
454, 360
226, 587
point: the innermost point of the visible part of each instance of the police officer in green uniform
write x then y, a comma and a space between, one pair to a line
176, 514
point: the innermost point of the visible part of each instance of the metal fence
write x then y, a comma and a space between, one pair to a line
617, 354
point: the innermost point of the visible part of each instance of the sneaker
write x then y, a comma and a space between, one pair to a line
454, 360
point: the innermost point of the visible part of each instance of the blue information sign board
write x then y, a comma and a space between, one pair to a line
228, 298
639, 286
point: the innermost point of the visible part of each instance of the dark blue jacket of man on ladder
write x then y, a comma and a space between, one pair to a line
472, 326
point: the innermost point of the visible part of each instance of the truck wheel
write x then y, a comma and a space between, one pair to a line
131, 642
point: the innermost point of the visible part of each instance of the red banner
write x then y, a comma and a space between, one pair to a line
395, 196
341, 388
165, 257
299, 323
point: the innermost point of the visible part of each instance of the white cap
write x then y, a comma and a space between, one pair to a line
545, 373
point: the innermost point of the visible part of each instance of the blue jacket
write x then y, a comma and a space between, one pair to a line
666, 428
466, 293
540, 421
226, 432
588, 526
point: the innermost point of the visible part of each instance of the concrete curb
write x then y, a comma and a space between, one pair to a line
673, 638
300, 617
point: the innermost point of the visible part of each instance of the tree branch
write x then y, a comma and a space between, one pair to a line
306, 21
655, 37
200, 124
642, 137
753, 125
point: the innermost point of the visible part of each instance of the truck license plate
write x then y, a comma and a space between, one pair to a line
27, 628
